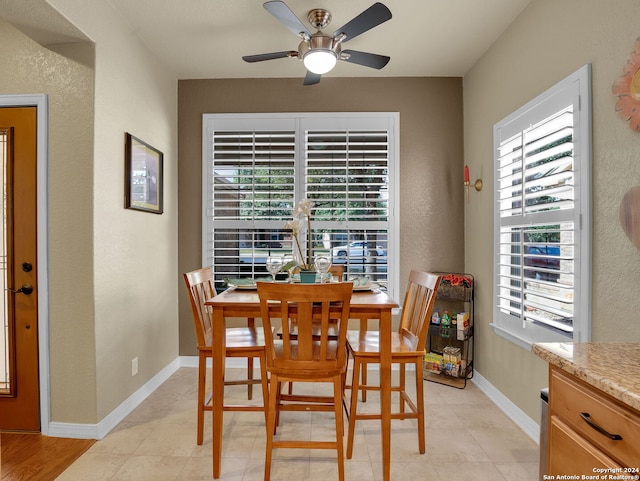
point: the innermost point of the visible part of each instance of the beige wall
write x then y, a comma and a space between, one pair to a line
135, 253
550, 40
113, 272
70, 212
431, 196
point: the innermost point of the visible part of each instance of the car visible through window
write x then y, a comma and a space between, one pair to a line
357, 249
542, 262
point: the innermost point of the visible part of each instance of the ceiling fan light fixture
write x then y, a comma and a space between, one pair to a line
319, 51
320, 61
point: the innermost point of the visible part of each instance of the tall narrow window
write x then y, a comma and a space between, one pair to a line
542, 187
5, 334
256, 167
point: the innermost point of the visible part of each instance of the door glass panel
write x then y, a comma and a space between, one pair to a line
5, 344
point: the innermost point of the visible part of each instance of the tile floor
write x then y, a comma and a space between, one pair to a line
468, 437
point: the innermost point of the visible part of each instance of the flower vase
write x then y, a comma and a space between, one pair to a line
307, 277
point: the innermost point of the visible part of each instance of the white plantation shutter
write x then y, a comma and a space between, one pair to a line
253, 174
256, 167
250, 192
542, 177
347, 177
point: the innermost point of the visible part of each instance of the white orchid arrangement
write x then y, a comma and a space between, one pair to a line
301, 218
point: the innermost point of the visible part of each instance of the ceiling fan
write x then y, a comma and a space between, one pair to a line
319, 51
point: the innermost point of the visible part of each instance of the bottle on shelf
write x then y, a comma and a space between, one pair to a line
445, 324
435, 317
445, 321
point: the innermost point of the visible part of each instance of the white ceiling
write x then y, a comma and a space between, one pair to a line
207, 38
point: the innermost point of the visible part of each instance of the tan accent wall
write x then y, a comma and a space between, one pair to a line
547, 42
431, 195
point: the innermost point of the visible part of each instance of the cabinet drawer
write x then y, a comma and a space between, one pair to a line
572, 454
573, 401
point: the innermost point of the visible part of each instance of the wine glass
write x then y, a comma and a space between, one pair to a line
323, 264
274, 264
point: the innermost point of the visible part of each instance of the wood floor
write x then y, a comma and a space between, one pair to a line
33, 457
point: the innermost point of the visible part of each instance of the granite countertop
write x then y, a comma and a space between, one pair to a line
611, 367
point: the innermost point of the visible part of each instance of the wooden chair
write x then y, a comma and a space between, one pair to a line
407, 346
240, 342
334, 270
308, 357
337, 270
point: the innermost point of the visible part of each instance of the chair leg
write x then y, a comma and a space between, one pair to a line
271, 424
250, 378
278, 393
337, 404
403, 380
202, 386
420, 404
251, 323
363, 327
355, 378
364, 383
264, 383
343, 380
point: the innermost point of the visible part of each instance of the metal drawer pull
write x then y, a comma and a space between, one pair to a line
587, 418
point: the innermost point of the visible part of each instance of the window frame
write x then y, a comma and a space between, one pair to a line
574, 89
313, 120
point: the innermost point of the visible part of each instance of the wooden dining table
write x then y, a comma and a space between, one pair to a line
245, 303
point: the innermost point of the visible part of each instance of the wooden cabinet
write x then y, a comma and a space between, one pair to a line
454, 343
572, 454
589, 430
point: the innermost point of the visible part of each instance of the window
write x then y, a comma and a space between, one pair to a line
542, 161
257, 166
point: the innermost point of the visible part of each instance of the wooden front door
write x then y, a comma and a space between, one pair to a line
19, 380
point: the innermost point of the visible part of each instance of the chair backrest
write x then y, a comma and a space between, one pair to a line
417, 307
201, 287
310, 306
337, 270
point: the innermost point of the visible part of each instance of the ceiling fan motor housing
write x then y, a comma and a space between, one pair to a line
319, 41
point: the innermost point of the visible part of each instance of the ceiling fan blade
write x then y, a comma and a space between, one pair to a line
371, 17
367, 59
269, 56
311, 78
282, 12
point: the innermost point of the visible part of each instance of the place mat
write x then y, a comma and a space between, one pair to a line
245, 282
363, 284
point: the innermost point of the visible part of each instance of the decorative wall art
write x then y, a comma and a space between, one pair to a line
627, 89
143, 176
630, 215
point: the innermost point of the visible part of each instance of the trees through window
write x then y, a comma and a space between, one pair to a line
256, 167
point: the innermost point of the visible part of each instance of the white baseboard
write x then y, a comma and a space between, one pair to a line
100, 430
517, 415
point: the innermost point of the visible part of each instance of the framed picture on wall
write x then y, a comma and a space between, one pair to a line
143, 176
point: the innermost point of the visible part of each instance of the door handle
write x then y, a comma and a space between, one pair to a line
26, 289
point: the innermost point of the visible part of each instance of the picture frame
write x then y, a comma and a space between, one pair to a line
143, 176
